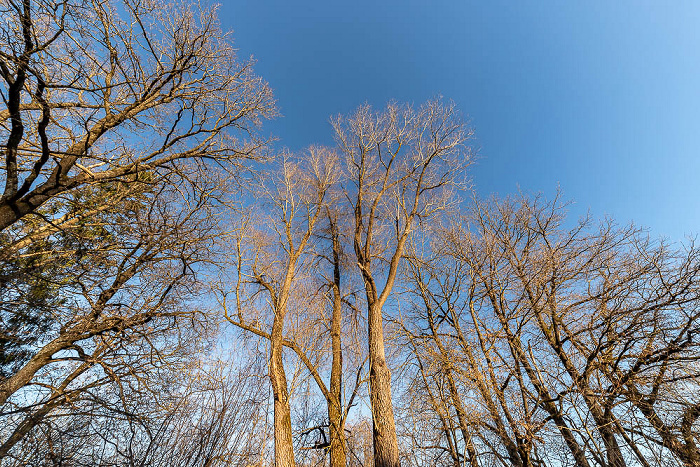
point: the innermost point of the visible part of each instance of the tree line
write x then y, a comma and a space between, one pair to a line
175, 291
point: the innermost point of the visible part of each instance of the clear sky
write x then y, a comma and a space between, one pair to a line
599, 97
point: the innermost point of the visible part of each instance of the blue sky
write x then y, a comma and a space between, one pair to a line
600, 98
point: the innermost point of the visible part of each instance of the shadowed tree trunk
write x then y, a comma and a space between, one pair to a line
336, 420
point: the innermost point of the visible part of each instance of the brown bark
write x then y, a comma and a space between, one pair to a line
295, 208
22, 377
284, 451
403, 163
284, 447
336, 419
386, 448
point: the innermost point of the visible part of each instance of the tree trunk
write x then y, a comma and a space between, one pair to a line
337, 437
284, 450
386, 449
335, 410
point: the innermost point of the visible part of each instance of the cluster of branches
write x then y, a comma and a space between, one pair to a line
319, 256
523, 339
536, 342
124, 127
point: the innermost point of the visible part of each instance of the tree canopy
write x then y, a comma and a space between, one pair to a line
175, 290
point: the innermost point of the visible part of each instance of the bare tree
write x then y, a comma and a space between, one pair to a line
337, 335
202, 413
125, 123
125, 312
270, 263
483, 404
402, 164
343, 368
219, 419
578, 336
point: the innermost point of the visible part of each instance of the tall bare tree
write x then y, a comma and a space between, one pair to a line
270, 262
403, 163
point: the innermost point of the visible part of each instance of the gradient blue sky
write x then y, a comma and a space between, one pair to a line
599, 97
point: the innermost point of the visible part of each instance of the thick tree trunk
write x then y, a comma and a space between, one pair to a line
337, 437
284, 450
606, 429
386, 449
